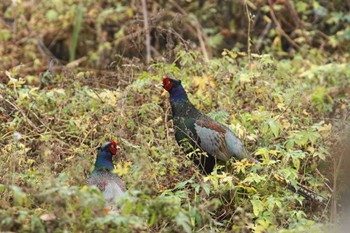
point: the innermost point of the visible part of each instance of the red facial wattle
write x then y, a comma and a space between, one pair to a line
167, 83
113, 147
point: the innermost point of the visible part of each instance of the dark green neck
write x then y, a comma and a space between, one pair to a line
104, 160
180, 104
177, 94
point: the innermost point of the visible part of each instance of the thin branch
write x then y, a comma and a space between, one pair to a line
201, 40
263, 35
248, 38
23, 114
279, 27
146, 27
166, 122
200, 34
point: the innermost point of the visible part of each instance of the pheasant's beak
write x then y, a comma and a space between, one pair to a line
160, 85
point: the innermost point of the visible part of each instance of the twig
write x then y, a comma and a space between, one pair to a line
328, 187
3, 22
336, 169
45, 51
98, 96
326, 207
299, 22
166, 122
248, 37
263, 35
88, 133
177, 35
285, 110
76, 62
279, 27
23, 114
201, 41
291, 8
334, 199
146, 26
155, 52
201, 36
131, 36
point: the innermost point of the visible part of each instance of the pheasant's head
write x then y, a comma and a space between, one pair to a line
175, 89
169, 83
105, 154
109, 147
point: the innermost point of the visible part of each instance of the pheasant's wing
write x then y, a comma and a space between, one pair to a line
114, 188
185, 133
119, 182
108, 183
98, 181
218, 140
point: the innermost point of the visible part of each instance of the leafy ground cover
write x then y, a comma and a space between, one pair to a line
288, 105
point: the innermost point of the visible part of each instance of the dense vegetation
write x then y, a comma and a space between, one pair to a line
75, 74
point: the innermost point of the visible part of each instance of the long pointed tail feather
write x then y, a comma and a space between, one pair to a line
302, 191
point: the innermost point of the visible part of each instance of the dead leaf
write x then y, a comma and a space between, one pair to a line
48, 217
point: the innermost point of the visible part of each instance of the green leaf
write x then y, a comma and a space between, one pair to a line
5, 34
264, 152
296, 163
152, 220
79, 15
181, 194
274, 126
257, 207
206, 189
215, 40
301, 6
52, 15
18, 194
183, 184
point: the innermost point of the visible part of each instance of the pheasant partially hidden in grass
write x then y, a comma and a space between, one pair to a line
102, 177
207, 140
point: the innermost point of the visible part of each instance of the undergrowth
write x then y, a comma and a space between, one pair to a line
50, 135
73, 76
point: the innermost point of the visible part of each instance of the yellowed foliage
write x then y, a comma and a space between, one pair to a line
310, 149
202, 82
305, 112
14, 82
122, 168
285, 123
234, 54
110, 97
158, 120
325, 130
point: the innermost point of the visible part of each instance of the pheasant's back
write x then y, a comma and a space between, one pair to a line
109, 183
